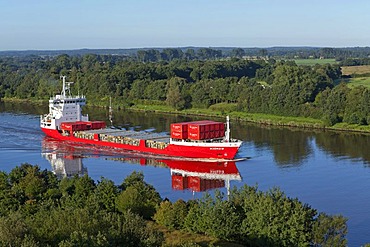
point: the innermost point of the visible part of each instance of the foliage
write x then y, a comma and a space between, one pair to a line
77, 212
312, 61
171, 215
138, 196
70, 212
358, 81
329, 230
272, 219
174, 77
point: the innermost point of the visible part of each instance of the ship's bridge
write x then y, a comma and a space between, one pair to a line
64, 108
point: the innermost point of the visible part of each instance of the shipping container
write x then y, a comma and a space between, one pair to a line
179, 182
198, 130
179, 130
179, 135
98, 125
196, 136
72, 126
194, 183
179, 127
201, 130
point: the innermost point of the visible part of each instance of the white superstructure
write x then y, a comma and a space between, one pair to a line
64, 108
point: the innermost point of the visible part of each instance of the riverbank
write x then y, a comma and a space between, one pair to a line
258, 118
221, 112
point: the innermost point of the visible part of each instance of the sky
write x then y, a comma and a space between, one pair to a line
112, 24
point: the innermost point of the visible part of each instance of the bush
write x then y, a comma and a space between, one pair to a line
138, 196
171, 215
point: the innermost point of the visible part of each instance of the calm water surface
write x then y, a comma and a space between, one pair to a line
330, 171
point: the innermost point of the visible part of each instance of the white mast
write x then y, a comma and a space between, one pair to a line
110, 111
66, 86
227, 132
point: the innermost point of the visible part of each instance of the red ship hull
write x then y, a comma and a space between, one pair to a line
226, 152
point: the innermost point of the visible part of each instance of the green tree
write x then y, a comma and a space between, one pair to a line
171, 215
106, 193
138, 196
12, 229
174, 98
237, 52
329, 231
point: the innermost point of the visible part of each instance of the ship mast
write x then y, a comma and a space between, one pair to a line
110, 111
66, 87
227, 132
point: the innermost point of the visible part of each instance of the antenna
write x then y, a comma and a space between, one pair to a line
110, 111
66, 86
227, 132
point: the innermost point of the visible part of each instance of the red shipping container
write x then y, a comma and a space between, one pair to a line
179, 182
197, 127
194, 183
97, 125
66, 126
179, 130
196, 136
179, 127
179, 135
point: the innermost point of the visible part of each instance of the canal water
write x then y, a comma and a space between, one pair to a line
327, 170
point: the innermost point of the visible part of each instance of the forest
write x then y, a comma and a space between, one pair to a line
267, 86
38, 209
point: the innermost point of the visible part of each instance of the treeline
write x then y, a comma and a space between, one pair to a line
37, 209
257, 86
166, 54
355, 61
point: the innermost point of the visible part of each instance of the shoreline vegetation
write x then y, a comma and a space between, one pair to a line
221, 111
258, 89
39, 209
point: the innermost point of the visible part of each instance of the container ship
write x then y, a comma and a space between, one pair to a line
196, 176
197, 140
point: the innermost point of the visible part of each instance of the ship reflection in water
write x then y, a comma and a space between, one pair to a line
196, 176
64, 162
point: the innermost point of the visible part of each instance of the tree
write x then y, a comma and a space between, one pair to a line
272, 219
329, 231
138, 196
189, 54
174, 98
156, 90
357, 106
200, 94
12, 229
106, 193
171, 215
237, 52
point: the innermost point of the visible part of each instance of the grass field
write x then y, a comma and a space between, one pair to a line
355, 72
359, 70
358, 81
312, 61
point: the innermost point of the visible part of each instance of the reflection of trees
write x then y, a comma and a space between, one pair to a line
290, 147
353, 145
144, 120
23, 107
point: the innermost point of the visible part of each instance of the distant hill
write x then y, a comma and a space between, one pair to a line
79, 52
285, 52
